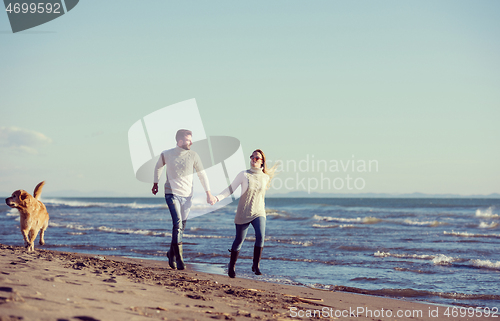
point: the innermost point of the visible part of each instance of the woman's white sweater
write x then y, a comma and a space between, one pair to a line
253, 191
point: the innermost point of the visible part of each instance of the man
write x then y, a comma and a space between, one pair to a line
180, 162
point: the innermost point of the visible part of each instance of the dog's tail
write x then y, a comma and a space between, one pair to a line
38, 190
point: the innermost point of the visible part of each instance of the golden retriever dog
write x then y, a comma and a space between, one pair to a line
34, 216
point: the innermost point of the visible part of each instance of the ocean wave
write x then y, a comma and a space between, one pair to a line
404, 256
287, 241
348, 226
467, 234
128, 231
334, 226
441, 259
488, 213
488, 225
76, 233
486, 264
206, 236
281, 214
144, 232
363, 220
71, 226
12, 212
324, 226
107, 229
407, 293
423, 223
400, 269
84, 204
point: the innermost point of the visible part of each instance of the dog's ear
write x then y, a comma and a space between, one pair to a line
24, 197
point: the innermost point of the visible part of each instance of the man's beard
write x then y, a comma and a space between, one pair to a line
186, 147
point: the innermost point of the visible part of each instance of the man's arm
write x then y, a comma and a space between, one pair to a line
157, 172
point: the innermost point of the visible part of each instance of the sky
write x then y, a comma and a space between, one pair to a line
411, 88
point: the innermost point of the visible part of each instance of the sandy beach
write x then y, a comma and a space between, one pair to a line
51, 285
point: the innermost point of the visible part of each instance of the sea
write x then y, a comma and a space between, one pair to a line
441, 251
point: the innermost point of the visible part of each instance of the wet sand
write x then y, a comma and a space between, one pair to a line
52, 285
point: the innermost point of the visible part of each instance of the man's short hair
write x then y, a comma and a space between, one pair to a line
181, 133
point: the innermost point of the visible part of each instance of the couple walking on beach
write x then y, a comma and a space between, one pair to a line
180, 162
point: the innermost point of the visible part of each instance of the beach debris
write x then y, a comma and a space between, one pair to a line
256, 290
196, 297
110, 280
220, 315
312, 301
15, 297
243, 313
99, 257
86, 318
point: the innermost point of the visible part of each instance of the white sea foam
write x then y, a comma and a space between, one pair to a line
324, 226
205, 236
72, 226
487, 213
73, 203
363, 220
108, 229
439, 259
381, 254
348, 226
275, 213
467, 234
12, 212
334, 226
423, 223
486, 264
127, 231
442, 259
488, 225
404, 256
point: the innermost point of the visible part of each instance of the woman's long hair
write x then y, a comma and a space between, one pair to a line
269, 171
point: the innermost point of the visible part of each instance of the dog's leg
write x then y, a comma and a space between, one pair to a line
25, 236
32, 237
42, 233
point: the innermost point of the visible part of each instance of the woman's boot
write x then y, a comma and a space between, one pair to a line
178, 256
257, 252
232, 263
171, 257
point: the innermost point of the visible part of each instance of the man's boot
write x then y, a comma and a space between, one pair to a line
257, 252
171, 257
178, 256
232, 263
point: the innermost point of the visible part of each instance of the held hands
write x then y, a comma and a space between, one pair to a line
211, 199
155, 188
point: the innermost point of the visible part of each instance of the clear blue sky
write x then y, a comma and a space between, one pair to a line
412, 85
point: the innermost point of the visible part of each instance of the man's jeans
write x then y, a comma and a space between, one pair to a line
179, 210
259, 225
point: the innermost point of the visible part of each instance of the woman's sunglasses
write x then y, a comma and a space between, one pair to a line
255, 158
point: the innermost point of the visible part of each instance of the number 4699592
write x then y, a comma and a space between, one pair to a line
33, 8
471, 312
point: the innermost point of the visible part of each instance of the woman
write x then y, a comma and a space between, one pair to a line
251, 208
